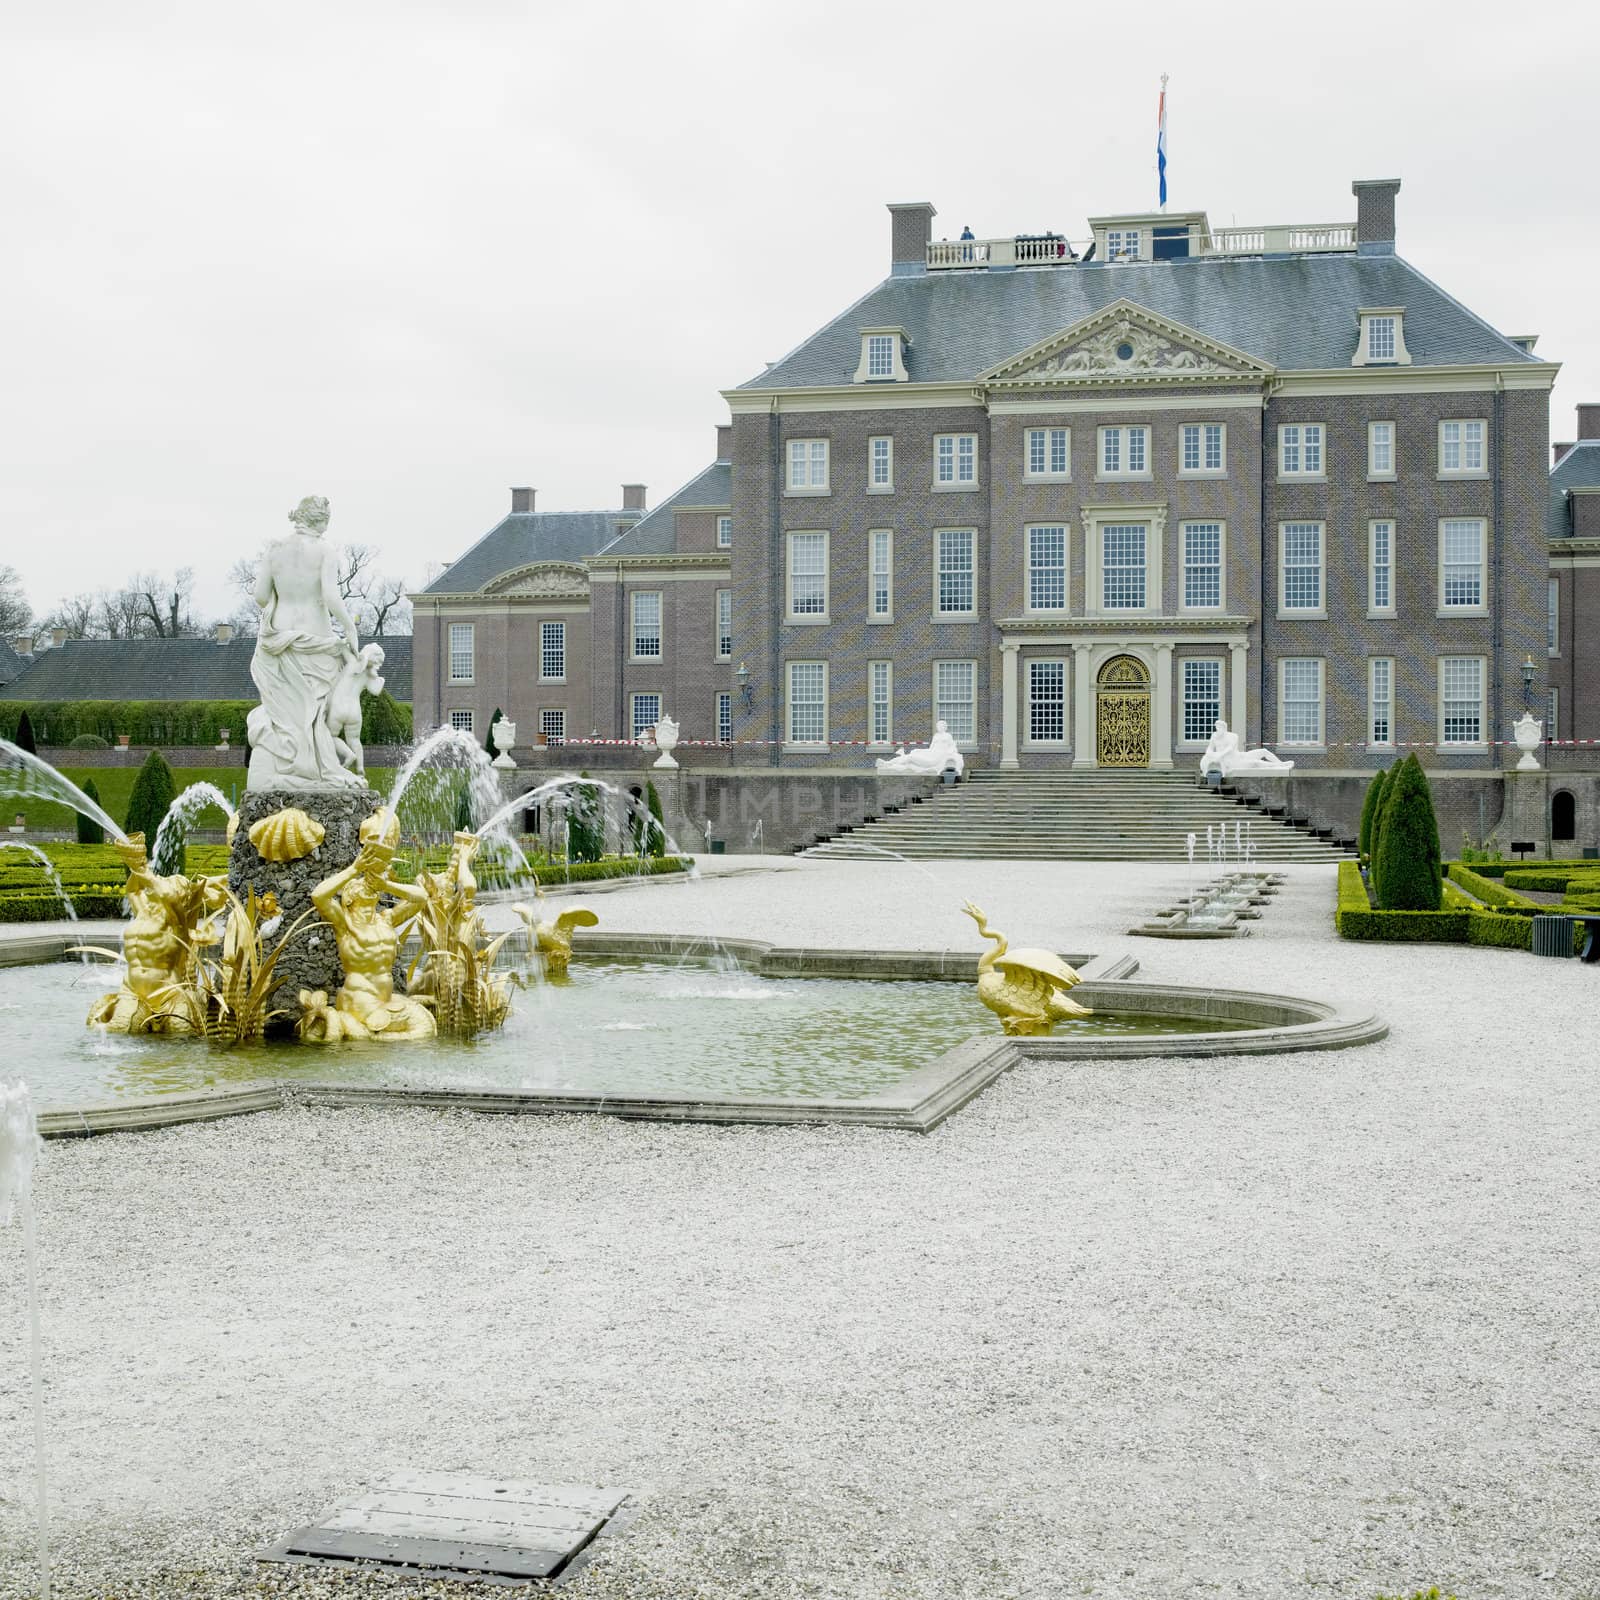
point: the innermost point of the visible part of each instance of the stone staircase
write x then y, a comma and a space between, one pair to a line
1112, 814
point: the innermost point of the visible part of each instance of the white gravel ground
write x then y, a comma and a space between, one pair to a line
1320, 1325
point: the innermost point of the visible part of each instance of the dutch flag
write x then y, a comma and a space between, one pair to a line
1161, 141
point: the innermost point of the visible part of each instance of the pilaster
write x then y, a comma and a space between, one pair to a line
1008, 707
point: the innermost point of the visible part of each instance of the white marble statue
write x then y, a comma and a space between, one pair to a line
359, 676
299, 658
940, 755
1225, 755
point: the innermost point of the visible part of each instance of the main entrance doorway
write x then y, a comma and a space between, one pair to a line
1122, 704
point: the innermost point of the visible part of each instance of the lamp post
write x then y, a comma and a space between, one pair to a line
746, 693
1529, 673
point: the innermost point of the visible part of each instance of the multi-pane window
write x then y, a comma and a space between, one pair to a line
880, 462
1302, 566
1122, 244
1122, 566
1200, 447
1202, 699
955, 698
553, 725
808, 465
1048, 453
647, 625
553, 651
461, 721
725, 718
1300, 713
1461, 447
1380, 449
1380, 338
1461, 700
1300, 450
808, 702
1380, 567
461, 652
1047, 568
1047, 702
808, 575
953, 577
880, 355
646, 713
1380, 700
724, 624
1461, 541
955, 458
1552, 617
1202, 566
880, 701
724, 533
1124, 452
880, 578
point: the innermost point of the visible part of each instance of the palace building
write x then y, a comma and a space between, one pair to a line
1077, 500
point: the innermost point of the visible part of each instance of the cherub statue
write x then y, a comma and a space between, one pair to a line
1024, 988
359, 676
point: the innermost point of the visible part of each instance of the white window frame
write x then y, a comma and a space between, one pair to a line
724, 605
958, 458
807, 618
1181, 666
1047, 437
1462, 442
1380, 667
971, 537
560, 633
1296, 443
1552, 715
815, 459
882, 342
1122, 435
1552, 616
461, 720
1030, 569
1375, 566
1124, 244
1376, 473
880, 541
886, 486
1320, 609
1030, 740
942, 715
560, 714
789, 705
454, 632
1203, 440
724, 716
1096, 519
725, 533
634, 721
1481, 607
1320, 742
1368, 318
1481, 742
634, 634
886, 703
1184, 529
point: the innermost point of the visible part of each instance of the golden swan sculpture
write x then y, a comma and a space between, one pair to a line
1024, 988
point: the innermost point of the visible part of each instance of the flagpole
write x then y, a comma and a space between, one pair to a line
1161, 143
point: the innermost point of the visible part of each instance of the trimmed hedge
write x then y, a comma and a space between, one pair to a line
1579, 902
1554, 879
47, 908
1356, 919
1492, 893
384, 720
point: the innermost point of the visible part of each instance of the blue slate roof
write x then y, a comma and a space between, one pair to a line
656, 534
1578, 468
10, 663
528, 536
1294, 312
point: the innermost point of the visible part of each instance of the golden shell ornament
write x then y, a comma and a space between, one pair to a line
286, 835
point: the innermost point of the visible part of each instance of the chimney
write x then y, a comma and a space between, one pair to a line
1589, 420
724, 441
58, 637
22, 643
911, 227
224, 632
1560, 452
633, 497
1375, 215
522, 500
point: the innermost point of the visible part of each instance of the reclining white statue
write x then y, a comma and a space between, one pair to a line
1225, 755
941, 753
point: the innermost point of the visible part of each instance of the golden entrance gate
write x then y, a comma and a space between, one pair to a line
1122, 703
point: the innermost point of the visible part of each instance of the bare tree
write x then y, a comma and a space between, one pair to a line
122, 612
79, 615
355, 570
15, 612
166, 603
385, 609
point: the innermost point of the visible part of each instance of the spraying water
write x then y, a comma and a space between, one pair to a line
28, 778
38, 855
180, 818
19, 1150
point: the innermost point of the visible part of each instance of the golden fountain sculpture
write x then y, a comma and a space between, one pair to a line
1024, 988
551, 939
454, 970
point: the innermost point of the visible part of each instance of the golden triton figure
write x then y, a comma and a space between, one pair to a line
455, 968
1023, 987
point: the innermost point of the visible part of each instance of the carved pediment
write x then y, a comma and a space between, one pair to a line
1127, 342
542, 580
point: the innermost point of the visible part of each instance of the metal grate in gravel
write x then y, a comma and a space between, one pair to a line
452, 1525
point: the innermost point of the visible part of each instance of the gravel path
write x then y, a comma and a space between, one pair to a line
1320, 1325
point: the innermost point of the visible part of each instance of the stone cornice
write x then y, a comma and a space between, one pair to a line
1112, 623
692, 559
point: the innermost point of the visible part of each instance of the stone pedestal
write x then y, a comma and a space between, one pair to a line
312, 960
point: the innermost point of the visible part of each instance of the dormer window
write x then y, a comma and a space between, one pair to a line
1122, 244
1382, 339
883, 358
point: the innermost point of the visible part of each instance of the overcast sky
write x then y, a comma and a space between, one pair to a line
407, 255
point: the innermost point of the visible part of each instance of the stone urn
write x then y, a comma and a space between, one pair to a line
666, 741
504, 735
1529, 733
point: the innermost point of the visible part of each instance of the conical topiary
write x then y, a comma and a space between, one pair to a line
25, 739
1379, 806
1369, 811
90, 831
658, 827
488, 734
1408, 867
152, 797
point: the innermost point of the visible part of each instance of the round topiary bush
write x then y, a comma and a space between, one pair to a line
1407, 866
88, 741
